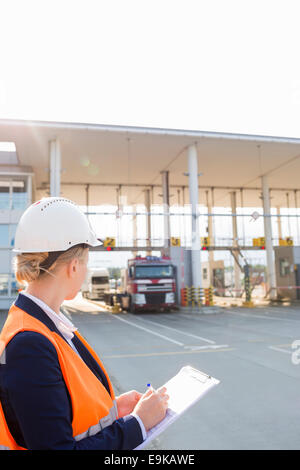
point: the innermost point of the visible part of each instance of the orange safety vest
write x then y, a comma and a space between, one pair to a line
92, 406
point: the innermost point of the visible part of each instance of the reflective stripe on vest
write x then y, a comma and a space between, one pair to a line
103, 423
93, 407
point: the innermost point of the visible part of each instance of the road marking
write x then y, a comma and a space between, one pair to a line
275, 348
178, 331
213, 346
199, 317
265, 317
186, 315
148, 331
257, 340
169, 353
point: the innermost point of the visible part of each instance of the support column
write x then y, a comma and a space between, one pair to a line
289, 219
29, 190
193, 190
148, 219
243, 218
179, 210
152, 194
119, 213
279, 224
178, 198
166, 203
271, 278
87, 199
211, 241
235, 243
213, 219
184, 216
134, 231
297, 218
210, 231
55, 167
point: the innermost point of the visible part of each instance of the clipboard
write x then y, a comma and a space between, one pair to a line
184, 390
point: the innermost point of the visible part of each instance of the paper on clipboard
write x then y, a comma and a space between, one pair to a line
184, 390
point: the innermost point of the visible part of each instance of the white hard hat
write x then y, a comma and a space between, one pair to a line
53, 224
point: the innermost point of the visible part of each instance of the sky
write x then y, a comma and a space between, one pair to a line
228, 66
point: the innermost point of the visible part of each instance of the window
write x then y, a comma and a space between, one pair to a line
13, 194
218, 277
100, 280
284, 267
4, 194
131, 271
4, 284
12, 233
4, 234
153, 272
204, 273
19, 195
15, 286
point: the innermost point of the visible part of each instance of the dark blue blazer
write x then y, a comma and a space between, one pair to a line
35, 399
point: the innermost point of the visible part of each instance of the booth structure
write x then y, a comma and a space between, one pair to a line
287, 266
213, 275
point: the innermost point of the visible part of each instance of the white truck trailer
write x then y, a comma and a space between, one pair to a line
96, 284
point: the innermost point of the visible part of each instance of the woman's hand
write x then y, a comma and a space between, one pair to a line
127, 402
152, 407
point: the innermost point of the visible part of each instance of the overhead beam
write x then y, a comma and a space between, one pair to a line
161, 247
149, 131
45, 185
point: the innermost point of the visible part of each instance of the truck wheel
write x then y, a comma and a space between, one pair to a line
132, 308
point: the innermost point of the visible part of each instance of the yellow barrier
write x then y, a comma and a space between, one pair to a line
192, 296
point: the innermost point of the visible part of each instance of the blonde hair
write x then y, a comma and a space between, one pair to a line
27, 265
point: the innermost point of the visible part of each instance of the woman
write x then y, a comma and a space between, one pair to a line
54, 390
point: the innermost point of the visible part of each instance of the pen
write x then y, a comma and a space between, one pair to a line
150, 387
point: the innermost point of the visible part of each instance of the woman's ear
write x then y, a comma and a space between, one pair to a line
72, 267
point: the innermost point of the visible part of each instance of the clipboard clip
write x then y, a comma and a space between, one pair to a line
196, 374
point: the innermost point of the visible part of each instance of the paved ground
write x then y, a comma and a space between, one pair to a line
257, 404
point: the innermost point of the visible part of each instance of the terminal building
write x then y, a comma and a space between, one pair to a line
100, 164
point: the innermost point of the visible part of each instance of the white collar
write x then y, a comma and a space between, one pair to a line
62, 323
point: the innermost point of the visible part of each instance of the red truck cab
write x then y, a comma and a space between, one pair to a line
150, 283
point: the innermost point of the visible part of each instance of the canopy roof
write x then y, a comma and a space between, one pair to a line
106, 156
